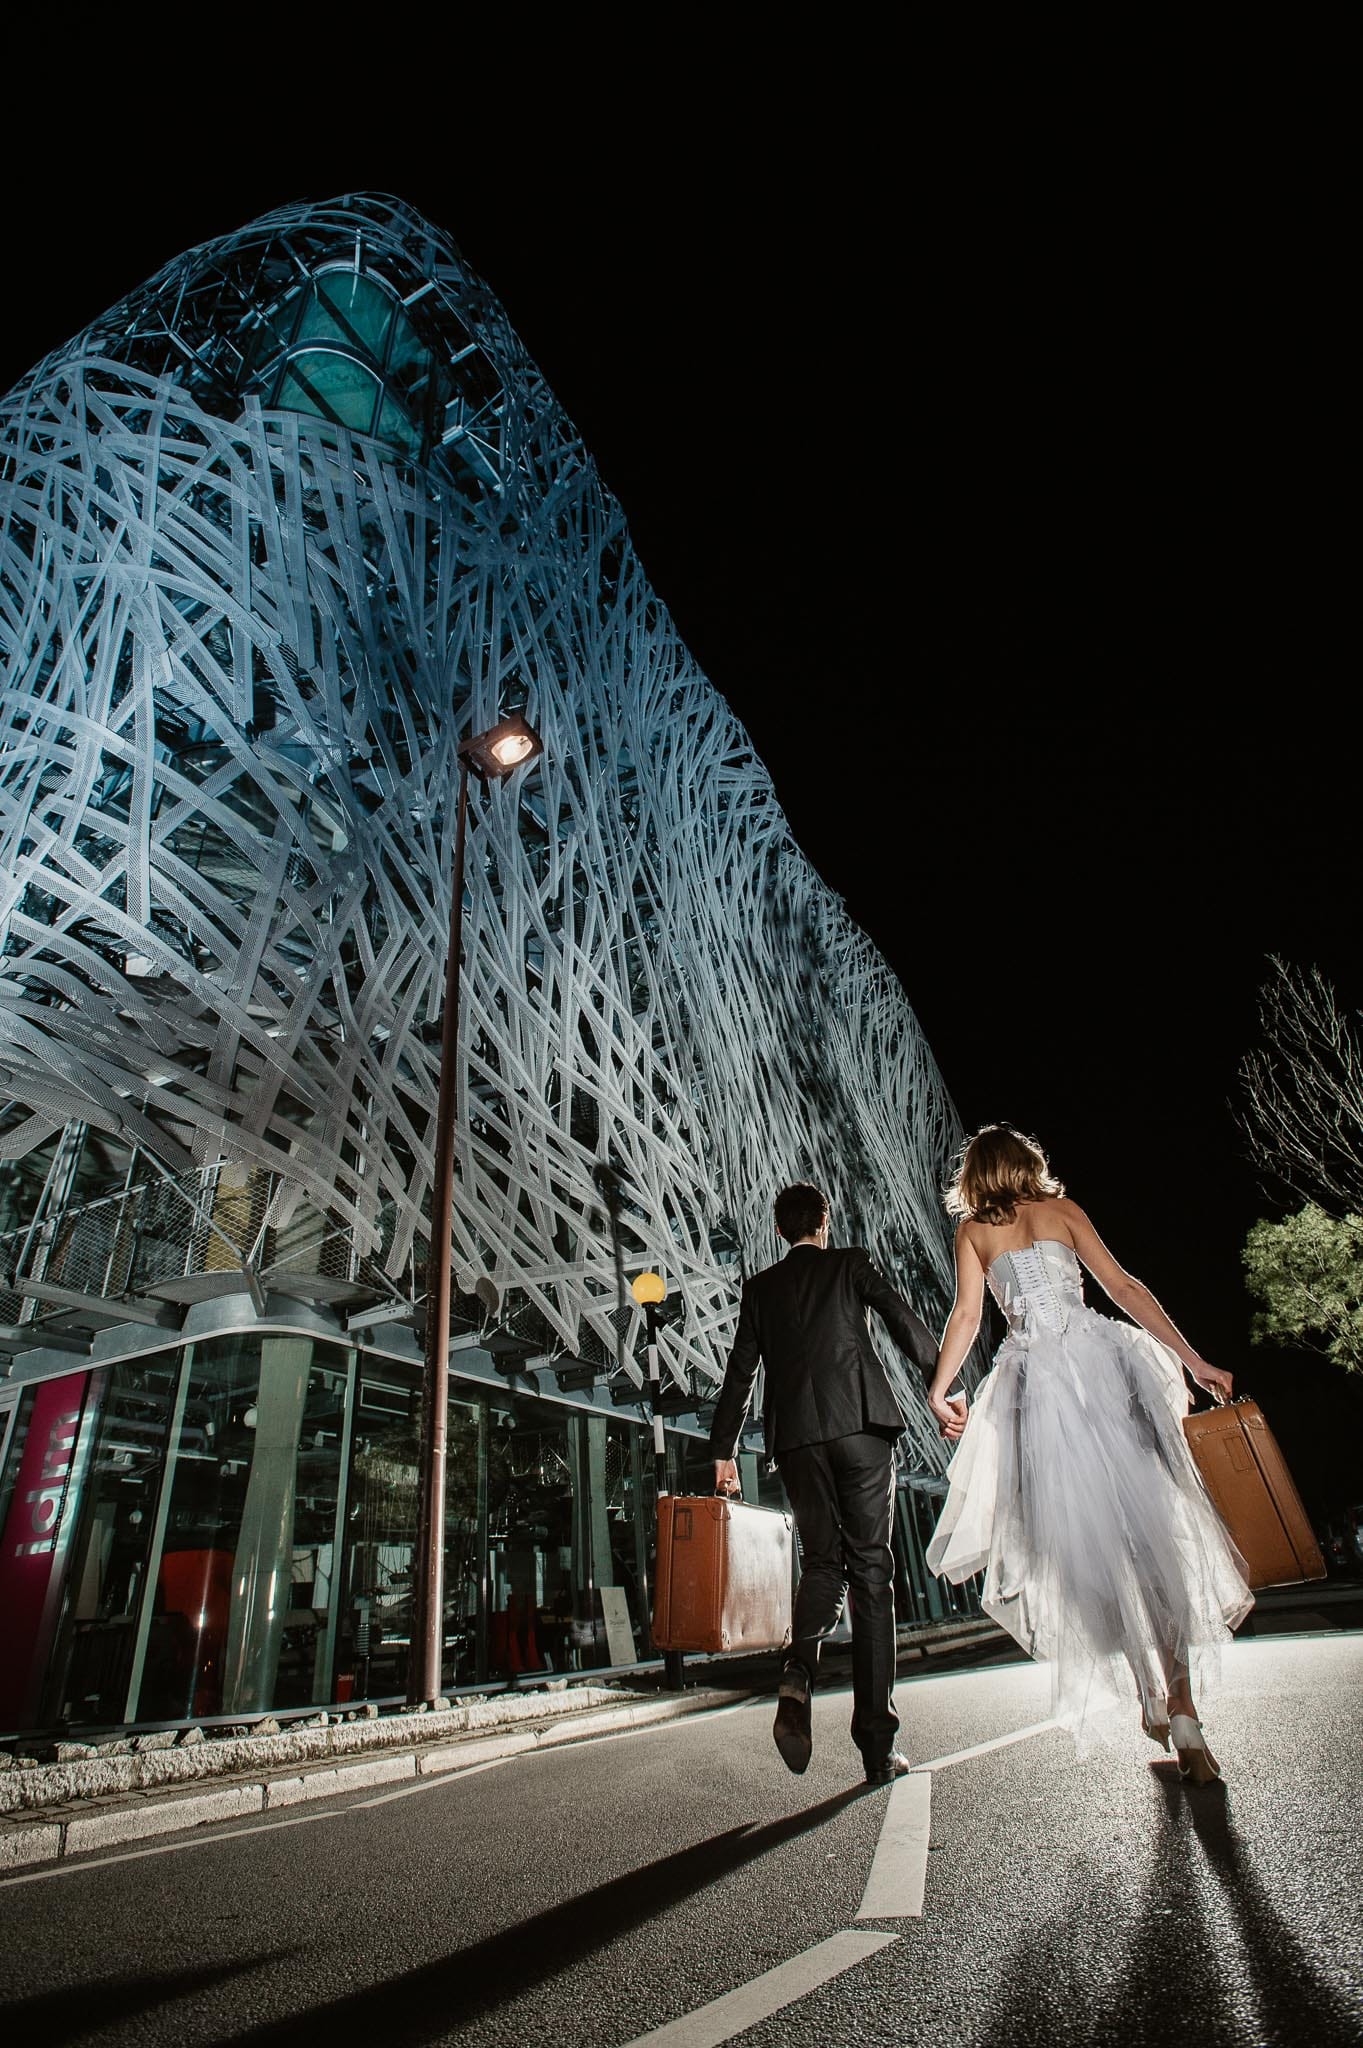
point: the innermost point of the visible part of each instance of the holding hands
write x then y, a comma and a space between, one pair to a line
952, 1412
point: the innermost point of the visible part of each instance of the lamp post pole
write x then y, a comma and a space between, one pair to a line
491, 755
648, 1290
428, 1620
654, 1390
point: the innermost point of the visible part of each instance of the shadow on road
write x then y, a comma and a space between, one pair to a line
1179, 1979
1295, 2001
431, 2002
56, 2016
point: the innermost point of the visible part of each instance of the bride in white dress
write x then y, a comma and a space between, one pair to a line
1073, 1489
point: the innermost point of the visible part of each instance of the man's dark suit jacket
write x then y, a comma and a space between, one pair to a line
805, 1320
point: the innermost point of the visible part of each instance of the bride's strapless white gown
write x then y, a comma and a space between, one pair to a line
1074, 1491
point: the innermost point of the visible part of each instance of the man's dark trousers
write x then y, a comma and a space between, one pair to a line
829, 1420
842, 1495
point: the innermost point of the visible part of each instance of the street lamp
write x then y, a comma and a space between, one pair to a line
491, 755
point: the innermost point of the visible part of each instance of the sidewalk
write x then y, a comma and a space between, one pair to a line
97, 1796
1306, 1609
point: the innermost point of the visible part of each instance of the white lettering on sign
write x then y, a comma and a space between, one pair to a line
49, 1499
44, 1502
60, 1445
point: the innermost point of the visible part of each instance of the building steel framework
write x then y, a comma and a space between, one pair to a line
243, 637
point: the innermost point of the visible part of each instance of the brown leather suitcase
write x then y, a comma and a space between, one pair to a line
723, 1576
1243, 1471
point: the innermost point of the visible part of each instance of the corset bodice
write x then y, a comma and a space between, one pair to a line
1044, 1282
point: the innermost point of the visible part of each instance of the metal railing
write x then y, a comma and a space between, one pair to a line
142, 1240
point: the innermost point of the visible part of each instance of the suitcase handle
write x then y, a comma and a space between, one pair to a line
1217, 1399
1221, 1401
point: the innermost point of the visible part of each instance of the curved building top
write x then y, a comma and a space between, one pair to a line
275, 534
351, 311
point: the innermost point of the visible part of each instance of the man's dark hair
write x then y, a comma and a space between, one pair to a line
800, 1211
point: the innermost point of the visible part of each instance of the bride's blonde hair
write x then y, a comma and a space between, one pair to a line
999, 1168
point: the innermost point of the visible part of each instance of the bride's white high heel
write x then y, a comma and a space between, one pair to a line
1158, 1731
1195, 1761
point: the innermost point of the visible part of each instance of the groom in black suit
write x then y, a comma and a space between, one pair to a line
830, 1420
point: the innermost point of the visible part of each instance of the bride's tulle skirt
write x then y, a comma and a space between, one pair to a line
1075, 1493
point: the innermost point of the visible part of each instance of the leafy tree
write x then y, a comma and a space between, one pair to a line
1308, 1273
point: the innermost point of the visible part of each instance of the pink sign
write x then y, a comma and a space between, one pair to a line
29, 1548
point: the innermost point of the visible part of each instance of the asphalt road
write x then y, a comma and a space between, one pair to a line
592, 1894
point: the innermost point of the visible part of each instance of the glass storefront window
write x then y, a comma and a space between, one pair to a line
571, 1538
239, 1617
532, 1605
629, 1507
374, 1623
93, 1664
569, 1524
239, 1519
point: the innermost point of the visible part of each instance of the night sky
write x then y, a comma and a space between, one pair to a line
992, 486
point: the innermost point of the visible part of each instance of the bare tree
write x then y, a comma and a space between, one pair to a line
1304, 1087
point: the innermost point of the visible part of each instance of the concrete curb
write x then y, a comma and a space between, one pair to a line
104, 1820
158, 1762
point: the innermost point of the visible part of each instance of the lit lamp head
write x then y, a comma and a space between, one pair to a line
648, 1287
494, 753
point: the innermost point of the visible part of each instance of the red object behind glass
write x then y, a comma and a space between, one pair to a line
198, 1585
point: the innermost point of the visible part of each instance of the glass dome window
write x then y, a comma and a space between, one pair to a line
352, 310
343, 349
332, 386
397, 429
409, 364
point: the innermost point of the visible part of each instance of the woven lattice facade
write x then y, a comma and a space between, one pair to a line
278, 532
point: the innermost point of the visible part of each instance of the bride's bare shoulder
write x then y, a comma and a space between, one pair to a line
970, 1239
1056, 1217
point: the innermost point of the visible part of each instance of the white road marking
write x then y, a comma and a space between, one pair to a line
724, 2017
264, 1827
429, 1784
702, 1716
196, 1841
961, 1756
899, 1869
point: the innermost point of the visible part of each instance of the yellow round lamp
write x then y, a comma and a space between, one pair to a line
647, 1287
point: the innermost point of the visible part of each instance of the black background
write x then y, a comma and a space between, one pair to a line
992, 470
